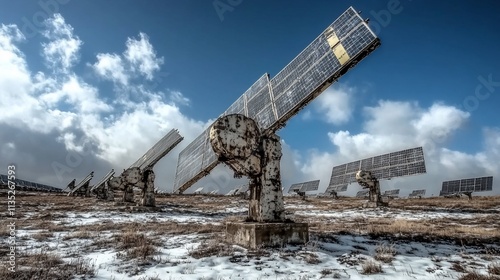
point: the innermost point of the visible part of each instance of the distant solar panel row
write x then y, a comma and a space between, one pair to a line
271, 102
467, 185
23, 184
363, 193
416, 193
396, 164
159, 150
304, 187
337, 188
391, 192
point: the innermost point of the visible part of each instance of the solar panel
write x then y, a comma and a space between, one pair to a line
82, 183
397, 164
271, 102
198, 190
27, 184
295, 188
336, 188
232, 192
416, 193
304, 187
4, 179
214, 191
159, 150
103, 180
391, 192
243, 189
467, 185
363, 193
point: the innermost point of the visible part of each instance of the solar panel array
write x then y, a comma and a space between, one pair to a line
391, 192
28, 185
232, 192
338, 188
159, 150
243, 189
103, 180
198, 190
396, 164
417, 193
82, 183
271, 102
363, 193
304, 187
467, 185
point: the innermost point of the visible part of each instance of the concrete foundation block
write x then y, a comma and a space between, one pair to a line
253, 235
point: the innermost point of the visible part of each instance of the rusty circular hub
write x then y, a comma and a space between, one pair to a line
234, 136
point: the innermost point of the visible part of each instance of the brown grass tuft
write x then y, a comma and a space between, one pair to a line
370, 267
477, 276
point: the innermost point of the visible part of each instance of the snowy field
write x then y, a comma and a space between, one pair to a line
59, 237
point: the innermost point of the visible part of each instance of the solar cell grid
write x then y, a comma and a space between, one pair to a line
397, 164
272, 103
417, 193
342, 188
467, 185
159, 150
362, 193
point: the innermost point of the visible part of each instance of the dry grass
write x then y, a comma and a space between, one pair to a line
212, 247
44, 265
474, 275
370, 267
494, 268
136, 245
385, 253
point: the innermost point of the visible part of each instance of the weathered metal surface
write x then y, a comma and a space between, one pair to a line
367, 180
140, 174
148, 193
236, 141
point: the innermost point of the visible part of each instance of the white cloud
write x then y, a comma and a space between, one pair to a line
61, 53
110, 66
142, 57
63, 109
178, 98
336, 104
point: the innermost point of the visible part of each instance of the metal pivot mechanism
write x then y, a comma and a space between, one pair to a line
102, 189
237, 141
140, 174
367, 180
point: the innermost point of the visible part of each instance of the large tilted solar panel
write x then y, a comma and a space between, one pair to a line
391, 192
271, 102
159, 150
417, 193
396, 164
304, 187
467, 185
83, 182
363, 193
103, 180
336, 188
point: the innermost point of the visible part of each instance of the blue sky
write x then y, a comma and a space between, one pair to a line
433, 58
